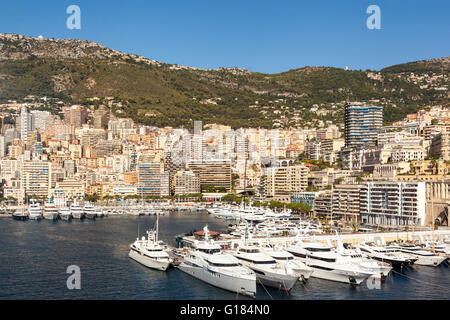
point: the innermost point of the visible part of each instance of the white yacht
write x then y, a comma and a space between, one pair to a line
77, 211
380, 269
327, 264
50, 211
151, 252
395, 258
424, 257
34, 211
287, 261
64, 213
89, 211
208, 263
268, 271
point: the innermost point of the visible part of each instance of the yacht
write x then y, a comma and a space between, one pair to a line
393, 257
65, 214
20, 214
327, 264
439, 248
151, 252
268, 271
424, 257
207, 262
99, 213
50, 211
287, 261
380, 269
34, 211
89, 211
77, 211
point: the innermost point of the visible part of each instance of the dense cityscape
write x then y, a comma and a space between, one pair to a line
361, 172
221, 159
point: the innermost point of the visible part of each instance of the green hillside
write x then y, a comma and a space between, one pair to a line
176, 96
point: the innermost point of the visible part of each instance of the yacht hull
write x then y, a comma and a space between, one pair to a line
432, 261
148, 262
283, 282
66, 217
35, 217
237, 285
339, 276
50, 216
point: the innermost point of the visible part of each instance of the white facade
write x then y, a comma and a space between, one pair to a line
393, 203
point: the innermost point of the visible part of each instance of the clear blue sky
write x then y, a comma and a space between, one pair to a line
264, 36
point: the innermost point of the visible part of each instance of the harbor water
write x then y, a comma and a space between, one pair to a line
35, 256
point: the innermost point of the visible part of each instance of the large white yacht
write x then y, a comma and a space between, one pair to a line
327, 264
89, 211
34, 211
150, 252
50, 211
392, 256
64, 213
268, 271
380, 269
287, 261
424, 257
77, 211
207, 262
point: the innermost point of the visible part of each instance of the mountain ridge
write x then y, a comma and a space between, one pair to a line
75, 70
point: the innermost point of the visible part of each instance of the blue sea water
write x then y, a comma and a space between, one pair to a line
35, 256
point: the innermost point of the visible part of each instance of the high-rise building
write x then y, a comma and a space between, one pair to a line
393, 203
440, 145
213, 172
26, 123
279, 181
362, 124
36, 178
76, 115
151, 178
345, 202
101, 117
186, 182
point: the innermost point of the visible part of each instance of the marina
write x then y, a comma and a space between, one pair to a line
101, 248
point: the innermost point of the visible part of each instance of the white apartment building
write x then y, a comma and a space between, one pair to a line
279, 181
407, 154
36, 178
393, 203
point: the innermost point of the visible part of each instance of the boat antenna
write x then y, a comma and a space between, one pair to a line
157, 227
205, 230
245, 181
